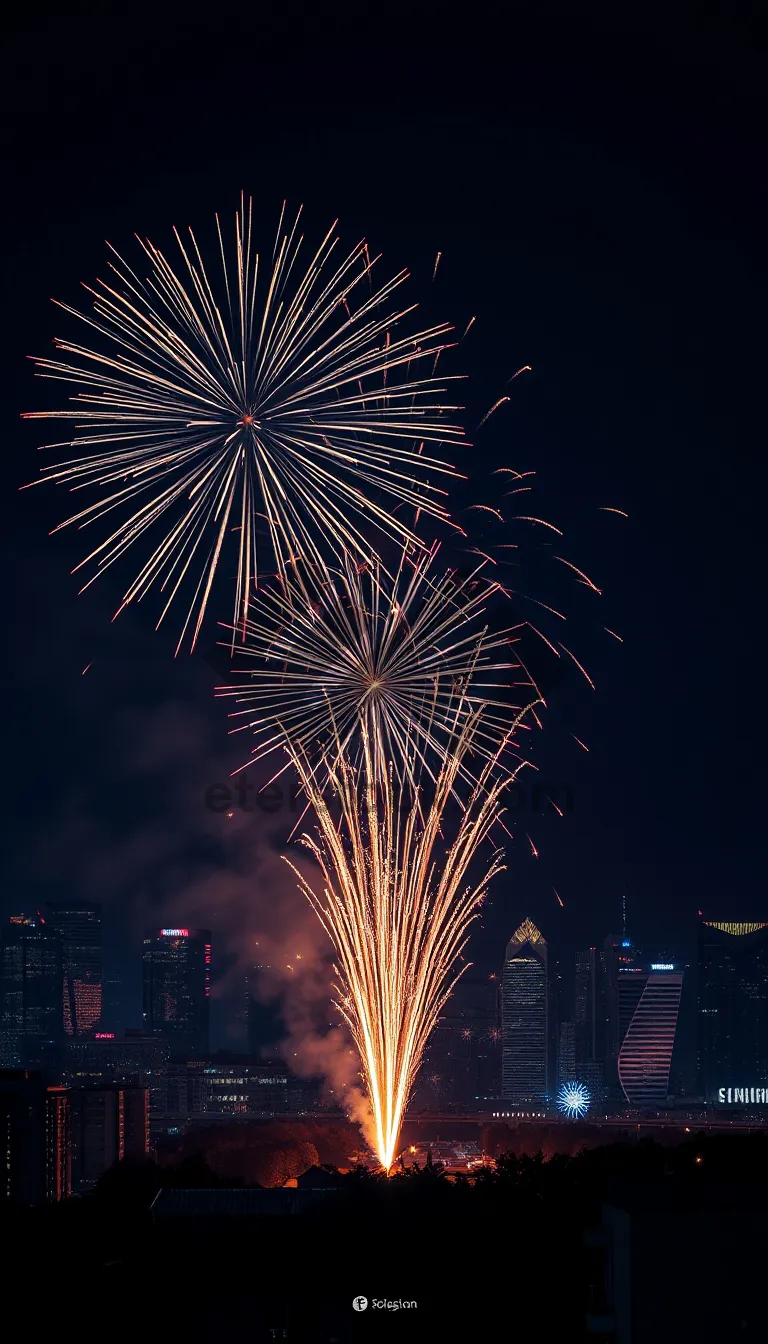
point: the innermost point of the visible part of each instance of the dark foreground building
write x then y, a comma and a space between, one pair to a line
670, 1266
107, 1125
58, 1141
35, 1128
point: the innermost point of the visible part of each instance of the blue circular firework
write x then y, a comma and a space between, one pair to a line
573, 1100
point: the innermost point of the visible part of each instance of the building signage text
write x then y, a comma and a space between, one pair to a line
743, 1096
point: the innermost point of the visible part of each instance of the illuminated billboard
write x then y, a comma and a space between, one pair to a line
742, 1096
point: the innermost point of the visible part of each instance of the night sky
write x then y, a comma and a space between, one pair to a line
597, 193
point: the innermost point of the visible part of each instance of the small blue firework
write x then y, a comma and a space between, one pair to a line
573, 1100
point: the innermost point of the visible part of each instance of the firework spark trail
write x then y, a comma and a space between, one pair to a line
403, 655
275, 392
394, 904
494, 407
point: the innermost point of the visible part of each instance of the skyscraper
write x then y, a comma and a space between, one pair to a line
619, 967
78, 923
732, 1006
525, 1017
30, 992
632, 979
586, 1001
595, 1002
645, 1054
176, 986
566, 1054
35, 1129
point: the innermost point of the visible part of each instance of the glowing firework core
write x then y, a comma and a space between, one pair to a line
404, 655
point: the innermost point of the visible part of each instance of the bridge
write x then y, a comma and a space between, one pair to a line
683, 1121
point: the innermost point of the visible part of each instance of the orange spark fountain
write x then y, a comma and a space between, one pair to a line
394, 903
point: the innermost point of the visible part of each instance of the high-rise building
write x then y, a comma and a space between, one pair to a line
176, 984
619, 990
35, 1129
78, 924
31, 1020
645, 1055
113, 1002
591, 1012
612, 955
58, 1143
732, 1035
566, 1053
108, 1124
632, 980
586, 1016
525, 1017
104, 1058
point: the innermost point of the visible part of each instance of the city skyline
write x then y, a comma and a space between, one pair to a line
597, 1012
593, 995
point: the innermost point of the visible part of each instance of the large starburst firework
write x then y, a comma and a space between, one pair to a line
405, 657
215, 403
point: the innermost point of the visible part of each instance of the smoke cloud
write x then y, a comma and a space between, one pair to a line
139, 834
